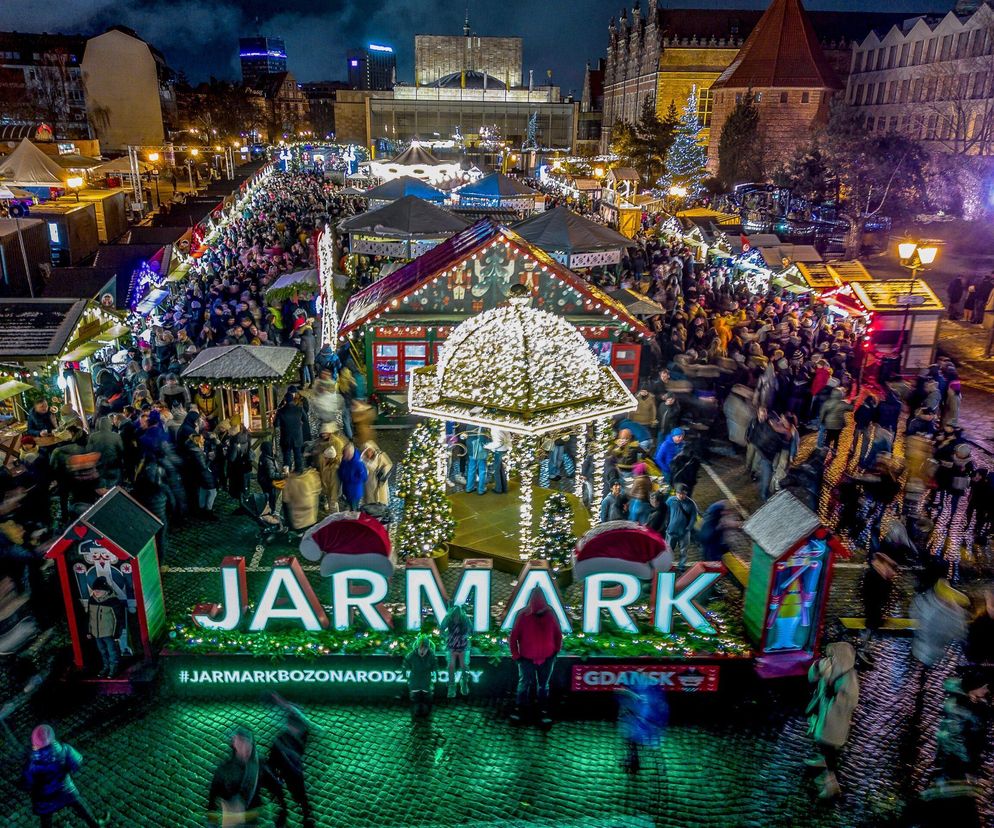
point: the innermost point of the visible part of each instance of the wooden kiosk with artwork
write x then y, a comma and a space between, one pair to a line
115, 539
787, 584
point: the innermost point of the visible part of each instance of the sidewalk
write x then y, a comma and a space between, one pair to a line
964, 344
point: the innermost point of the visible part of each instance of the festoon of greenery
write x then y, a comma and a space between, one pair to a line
556, 540
687, 159
426, 521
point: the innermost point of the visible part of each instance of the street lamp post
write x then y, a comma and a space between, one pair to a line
915, 256
74, 184
155, 178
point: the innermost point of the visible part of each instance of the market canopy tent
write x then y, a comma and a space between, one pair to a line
406, 228
497, 190
28, 166
239, 369
122, 166
303, 281
400, 187
572, 239
637, 303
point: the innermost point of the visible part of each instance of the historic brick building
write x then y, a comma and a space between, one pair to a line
785, 68
668, 51
931, 79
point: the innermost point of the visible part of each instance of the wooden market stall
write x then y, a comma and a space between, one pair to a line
246, 378
404, 318
403, 229
572, 239
115, 540
905, 316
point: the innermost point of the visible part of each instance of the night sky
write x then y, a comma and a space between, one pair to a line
201, 38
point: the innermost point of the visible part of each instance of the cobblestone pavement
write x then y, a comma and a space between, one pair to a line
732, 759
735, 760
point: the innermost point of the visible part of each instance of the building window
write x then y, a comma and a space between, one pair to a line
905, 123
759, 97
892, 56
916, 90
904, 54
961, 40
978, 85
738, 98
930, 52
871, 91
916, 54
870, 123
893, 123
930, 128
882, 60
705, 104
892, 92
394, 361
905, 87
881, 90
783, 97
860, 60
930, 89
947, 42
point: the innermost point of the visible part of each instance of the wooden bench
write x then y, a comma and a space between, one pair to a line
737, 568
903, 625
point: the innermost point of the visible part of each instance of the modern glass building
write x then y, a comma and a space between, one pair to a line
261, 57
374, 67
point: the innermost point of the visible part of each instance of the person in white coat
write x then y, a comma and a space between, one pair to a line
831, 710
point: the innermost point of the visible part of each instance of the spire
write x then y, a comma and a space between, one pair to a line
465, 26
781, 51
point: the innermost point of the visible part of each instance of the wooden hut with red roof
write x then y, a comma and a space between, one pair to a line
404, 318
783, 65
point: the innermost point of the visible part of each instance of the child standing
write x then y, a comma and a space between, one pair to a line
105, 614
421, 665
456, 627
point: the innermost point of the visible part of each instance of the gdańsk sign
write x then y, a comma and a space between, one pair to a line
358, 593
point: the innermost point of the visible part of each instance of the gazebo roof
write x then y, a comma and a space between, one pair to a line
562, 230
415, 156
520, 369
404, 186
244, 366
389, 291
407, 217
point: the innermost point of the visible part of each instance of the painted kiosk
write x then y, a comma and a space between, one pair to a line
116, 540
786, 584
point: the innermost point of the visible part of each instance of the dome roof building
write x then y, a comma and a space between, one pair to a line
469, 80
520, 369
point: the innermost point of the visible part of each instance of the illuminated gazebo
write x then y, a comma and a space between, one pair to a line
532, 374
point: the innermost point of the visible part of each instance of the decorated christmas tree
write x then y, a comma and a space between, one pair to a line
556, 540
686, 159
427, 513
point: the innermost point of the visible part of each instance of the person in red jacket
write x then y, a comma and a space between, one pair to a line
535, 641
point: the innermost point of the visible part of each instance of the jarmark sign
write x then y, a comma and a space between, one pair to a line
288, 596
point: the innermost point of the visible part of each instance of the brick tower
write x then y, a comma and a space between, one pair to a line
783, 65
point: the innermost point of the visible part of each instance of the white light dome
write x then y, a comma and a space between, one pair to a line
518, 359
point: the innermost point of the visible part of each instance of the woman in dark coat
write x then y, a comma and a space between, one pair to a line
47, 777
267, 472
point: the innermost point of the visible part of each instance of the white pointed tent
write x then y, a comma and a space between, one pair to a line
28, 166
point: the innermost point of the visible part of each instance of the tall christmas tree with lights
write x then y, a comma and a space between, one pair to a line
686, 160
427, 520
556, 540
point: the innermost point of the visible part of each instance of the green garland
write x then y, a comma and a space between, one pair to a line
290, 377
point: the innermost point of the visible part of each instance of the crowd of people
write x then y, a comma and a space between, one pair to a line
724, 366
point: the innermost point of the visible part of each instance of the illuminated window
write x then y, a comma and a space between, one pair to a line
705, 102
783, 97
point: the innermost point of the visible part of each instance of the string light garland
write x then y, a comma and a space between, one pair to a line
602, 437
427, 521
581, 455
555, 534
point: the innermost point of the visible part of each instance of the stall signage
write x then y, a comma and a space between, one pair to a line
288, 596
683, 678
321, 676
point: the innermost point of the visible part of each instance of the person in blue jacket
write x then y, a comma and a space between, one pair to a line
352, 473
476, 458
668, 449
47, 778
